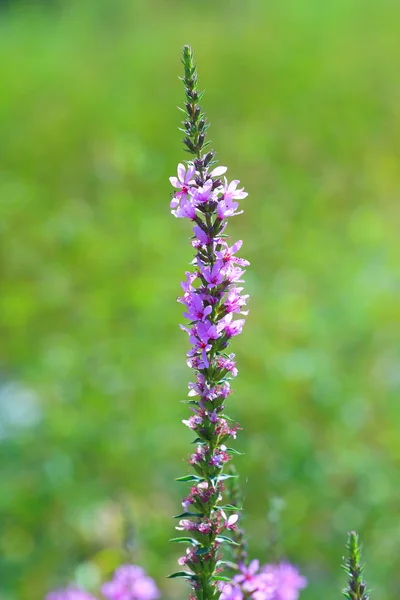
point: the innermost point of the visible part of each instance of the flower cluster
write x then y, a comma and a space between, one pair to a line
211, 298
69, 593
280, 581
215, 306
130, 582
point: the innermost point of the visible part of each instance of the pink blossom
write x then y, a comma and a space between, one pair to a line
196, 309
229, 591
230, 191
69, 593
247, 577
204, 193
227, 255
232, 273
289, 582
219, 459
227, 208
234, 301
228, 364
230, 327
182, 183
130, 582
226, 205
213, 275
186, 525
186, 210
229, 523
202, 236
204, 528
193, 422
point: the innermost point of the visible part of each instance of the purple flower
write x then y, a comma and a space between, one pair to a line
193, 422
227, 255
229, 522
247, 577
234, 301
233, 274
186, 210
213, 274
280, 581
130, 583
196, 309
289, 582
230, 327
182, 183
204, 528
69, 593
226, 206
231, 193
229, 591
204, 193
228, 364
202, 237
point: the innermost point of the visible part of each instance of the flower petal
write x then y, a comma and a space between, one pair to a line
218, 171
181, 172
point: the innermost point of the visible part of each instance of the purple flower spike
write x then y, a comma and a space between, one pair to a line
212, 301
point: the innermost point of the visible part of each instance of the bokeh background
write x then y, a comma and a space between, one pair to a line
304, 100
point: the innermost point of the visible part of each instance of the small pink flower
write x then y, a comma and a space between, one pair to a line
230, 327
229, 523
213, 275
182, 183
227, 255
130, 582
196, 309
69, 593
205, 528
204, 193
186, 210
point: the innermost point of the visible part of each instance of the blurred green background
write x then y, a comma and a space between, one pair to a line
304, 101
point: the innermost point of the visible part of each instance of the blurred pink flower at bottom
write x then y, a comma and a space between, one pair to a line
130, 583
69, 593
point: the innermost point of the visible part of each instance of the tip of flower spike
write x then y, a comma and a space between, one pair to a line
353, 566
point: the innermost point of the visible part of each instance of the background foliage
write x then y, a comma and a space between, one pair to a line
304, 100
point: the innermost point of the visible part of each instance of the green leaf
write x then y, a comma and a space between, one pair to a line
228, 507
223, 538
188, 514
221, 578
227, 418
233, 451
224, 476
185, 540
226, 563
190, 478
183, 574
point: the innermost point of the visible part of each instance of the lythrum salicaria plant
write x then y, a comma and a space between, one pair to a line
214, 306
213, 299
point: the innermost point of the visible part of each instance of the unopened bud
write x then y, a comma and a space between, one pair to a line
208, 158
